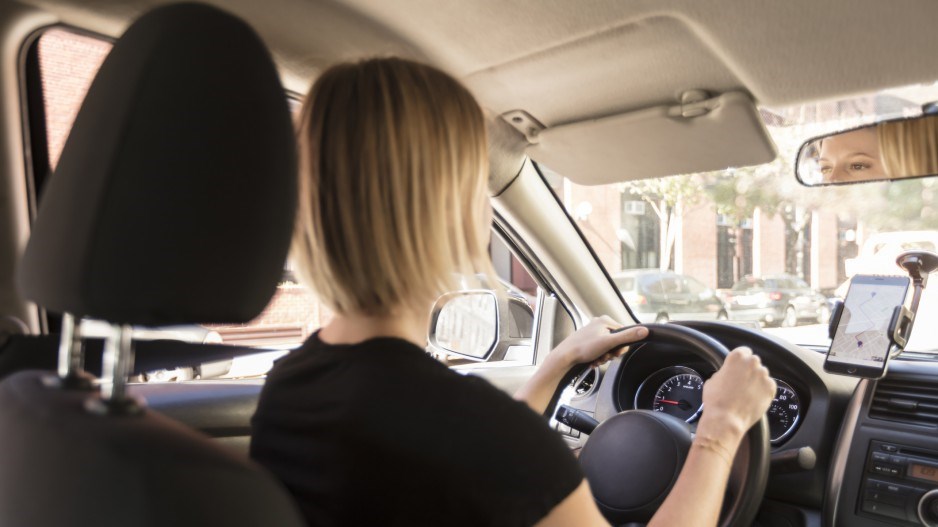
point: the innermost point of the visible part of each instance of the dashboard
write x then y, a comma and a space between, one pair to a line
885, 465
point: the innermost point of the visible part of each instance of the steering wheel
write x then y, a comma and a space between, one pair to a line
633, 459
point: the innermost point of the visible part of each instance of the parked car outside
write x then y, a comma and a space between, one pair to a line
660, 296
781, 300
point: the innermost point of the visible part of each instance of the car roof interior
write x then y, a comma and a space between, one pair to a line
537, 56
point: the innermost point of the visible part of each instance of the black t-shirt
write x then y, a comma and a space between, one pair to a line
380, 433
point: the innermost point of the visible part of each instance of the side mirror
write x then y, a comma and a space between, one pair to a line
479, 325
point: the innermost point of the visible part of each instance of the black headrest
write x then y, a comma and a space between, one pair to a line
174, 197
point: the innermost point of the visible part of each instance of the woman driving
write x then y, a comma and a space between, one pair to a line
362, 426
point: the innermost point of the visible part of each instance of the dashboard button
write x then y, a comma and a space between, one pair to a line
889, 448
886, 498
891, 488
885, 510
898, 460
880, 456
899, 490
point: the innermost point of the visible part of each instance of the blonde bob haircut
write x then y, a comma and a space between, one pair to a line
909, 147
393, 187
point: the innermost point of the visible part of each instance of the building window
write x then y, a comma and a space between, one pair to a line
640, 235
734, 250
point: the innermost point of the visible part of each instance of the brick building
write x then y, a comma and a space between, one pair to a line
705, 244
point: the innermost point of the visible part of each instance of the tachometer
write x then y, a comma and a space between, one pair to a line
784, 413
680, 396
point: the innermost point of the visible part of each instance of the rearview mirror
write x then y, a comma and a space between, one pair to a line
890, 150
479, 325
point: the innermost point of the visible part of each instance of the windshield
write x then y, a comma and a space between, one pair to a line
765, 250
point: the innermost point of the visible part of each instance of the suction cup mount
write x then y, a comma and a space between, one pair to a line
918, 264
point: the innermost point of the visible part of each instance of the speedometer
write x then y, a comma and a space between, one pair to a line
680, 396
784, 414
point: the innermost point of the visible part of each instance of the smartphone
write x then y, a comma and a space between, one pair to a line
862, 342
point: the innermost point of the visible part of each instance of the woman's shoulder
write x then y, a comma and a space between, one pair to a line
366, 366
382, 373
313, 353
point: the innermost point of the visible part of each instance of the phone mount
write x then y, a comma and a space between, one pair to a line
918, 264
900, 327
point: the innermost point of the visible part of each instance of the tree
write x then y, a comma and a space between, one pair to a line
667, 197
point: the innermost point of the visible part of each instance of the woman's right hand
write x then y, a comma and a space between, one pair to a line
735, 397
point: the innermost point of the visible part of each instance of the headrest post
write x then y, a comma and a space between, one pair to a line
67, 359
117, 362
71, 374
116, 367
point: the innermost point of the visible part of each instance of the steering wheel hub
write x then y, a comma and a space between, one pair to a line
650, 446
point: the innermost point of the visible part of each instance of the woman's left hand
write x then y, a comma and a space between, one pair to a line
595, 344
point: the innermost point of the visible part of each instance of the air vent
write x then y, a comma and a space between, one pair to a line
584, 384
914, 402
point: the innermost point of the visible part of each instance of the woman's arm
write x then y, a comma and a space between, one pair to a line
697, 495
734, 399
592, 343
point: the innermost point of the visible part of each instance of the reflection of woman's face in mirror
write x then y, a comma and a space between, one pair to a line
853, 156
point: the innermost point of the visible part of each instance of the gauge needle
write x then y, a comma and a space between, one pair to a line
665, 401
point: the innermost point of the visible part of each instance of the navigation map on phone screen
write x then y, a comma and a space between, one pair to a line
862, 337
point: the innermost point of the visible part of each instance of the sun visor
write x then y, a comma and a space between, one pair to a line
711, 134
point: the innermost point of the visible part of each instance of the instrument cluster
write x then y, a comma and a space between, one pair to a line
678, 391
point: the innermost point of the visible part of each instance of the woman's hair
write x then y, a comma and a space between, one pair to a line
393, 186
909, 147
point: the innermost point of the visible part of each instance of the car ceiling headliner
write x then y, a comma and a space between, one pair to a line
564, 61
